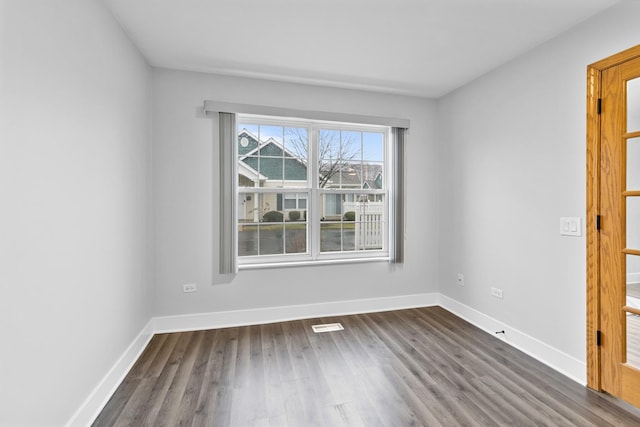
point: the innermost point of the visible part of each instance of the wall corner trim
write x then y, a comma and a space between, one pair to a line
566, 364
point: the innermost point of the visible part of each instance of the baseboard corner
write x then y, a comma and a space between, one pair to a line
98, 398
558, 360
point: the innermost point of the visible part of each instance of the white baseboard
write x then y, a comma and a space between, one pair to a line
550, 356
225, 319
97, 400
86, 414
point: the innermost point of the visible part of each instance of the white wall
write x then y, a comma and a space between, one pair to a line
74, 190
513, 162
186, 207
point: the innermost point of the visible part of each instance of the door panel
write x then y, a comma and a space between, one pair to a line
620, 229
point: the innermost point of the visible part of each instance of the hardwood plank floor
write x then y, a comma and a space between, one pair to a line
418, 367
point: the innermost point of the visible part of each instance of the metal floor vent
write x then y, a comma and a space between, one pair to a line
329, 327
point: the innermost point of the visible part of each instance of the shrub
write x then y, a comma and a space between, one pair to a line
294, 215
304, 215
273, 216
350, 216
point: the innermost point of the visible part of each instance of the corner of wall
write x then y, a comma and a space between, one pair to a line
93, 404
550, 356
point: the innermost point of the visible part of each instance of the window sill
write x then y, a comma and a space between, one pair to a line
289, 264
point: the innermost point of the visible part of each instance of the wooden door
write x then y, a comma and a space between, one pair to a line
615, 250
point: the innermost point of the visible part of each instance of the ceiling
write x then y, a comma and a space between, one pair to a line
413, 47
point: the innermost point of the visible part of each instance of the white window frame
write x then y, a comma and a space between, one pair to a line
314, 194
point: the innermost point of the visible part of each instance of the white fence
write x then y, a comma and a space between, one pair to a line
369, 225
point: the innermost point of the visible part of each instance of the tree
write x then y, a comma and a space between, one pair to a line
335, 154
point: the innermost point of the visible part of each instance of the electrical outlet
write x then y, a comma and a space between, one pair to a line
460, 279
189, 287
496, 292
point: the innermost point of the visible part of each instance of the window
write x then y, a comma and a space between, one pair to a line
295, 201
311, 190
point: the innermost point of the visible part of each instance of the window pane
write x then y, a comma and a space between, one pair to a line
263, 160
349, 236
351, 175
633, 301
340, 159
270, 165
248, 239
247, 138
296, 142
260, 225
329, 162
633, 340
248, 126
351, 147
248, 209
295, 173
372, 176
337, 236
633, 223
331, 206
296, 238
372, 147
633, 105
369, 224
271, 134
270, 207
352, 222
248, 175
271, 239
633, 164
272, 224
331, 236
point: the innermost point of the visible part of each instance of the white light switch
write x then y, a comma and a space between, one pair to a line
570, 226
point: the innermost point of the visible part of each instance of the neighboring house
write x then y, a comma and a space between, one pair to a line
268, 164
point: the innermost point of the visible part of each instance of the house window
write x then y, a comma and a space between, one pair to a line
295, 201
311, 191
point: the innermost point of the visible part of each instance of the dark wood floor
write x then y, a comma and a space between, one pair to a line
402, 368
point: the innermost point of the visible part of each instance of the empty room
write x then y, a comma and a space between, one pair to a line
319, 213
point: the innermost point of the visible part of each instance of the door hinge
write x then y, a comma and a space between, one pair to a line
598, 338
599, 106
597, 222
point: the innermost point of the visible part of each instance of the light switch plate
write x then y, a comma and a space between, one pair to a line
571, 226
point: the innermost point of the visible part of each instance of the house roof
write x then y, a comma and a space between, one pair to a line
270, 159
274, 162
370, 183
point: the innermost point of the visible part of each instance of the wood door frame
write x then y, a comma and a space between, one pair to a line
594, 76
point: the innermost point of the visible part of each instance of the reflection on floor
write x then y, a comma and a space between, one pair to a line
633, 329
633, 290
